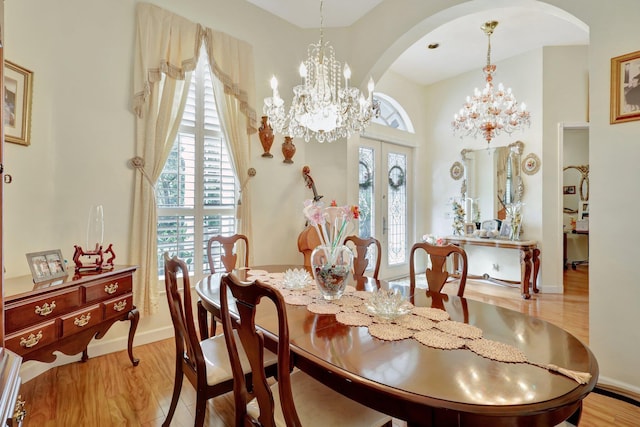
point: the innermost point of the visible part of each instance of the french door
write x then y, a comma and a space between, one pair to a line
385, 200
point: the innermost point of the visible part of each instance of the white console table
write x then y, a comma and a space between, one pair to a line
529, 257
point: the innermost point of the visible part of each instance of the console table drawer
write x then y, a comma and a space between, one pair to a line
108, 288
47, 307
117, 306
32, 339
84, 319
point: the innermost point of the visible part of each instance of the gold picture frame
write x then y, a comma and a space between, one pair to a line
18, 92
625, 88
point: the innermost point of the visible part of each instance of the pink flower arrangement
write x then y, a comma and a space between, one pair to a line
332, 223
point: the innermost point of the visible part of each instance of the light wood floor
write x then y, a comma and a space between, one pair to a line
108, 391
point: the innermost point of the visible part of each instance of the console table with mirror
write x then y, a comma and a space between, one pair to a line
66, 314
491, 180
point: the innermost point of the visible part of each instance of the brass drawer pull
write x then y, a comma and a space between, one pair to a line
31, 340
83, 320
19, 412
120, 305
46, 309
111, 288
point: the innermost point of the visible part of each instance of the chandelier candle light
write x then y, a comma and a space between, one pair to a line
490, 111
321, 108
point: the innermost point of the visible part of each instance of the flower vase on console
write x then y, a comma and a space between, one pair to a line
331, 261
514, 217
458, 217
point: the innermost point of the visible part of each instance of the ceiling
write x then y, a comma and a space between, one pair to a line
462, 44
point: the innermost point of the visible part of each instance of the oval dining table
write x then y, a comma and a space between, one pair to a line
428, 386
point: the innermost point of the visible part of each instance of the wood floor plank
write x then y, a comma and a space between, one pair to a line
107, 391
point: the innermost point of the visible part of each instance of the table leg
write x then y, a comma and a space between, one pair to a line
134, 317
536, 269
525, 271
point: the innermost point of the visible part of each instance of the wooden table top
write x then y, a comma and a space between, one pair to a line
425, 385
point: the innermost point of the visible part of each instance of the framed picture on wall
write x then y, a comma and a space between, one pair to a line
625, 88
46, 265
569, 189
18, 88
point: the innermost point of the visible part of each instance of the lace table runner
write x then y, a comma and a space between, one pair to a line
429, 326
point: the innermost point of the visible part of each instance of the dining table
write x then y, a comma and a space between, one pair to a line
504, 368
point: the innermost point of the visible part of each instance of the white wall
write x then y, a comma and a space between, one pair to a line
82, 136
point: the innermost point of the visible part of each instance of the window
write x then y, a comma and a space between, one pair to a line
197, 190
391, 113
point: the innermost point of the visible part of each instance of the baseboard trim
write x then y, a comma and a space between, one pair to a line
31, 369
618, 393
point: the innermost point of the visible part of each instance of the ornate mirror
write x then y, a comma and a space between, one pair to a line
492, 179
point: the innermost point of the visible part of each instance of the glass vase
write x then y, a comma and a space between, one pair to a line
95, 228
331, 268
514, 216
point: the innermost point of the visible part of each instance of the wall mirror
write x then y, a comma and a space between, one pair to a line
492, 179
575, 187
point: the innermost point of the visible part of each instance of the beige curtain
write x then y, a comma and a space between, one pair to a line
166, 52
231, 62
167, 48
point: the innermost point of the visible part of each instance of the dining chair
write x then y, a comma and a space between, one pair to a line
308, 240
361, 262
228, 246
205, 363
437, 274
296, 399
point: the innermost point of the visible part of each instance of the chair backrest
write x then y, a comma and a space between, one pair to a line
248, 296
360, 262
229, 251
437, 274
176, 273
308, 240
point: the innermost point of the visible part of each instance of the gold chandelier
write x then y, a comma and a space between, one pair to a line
490, 111
321, 108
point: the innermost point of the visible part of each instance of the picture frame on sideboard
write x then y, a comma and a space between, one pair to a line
46, 265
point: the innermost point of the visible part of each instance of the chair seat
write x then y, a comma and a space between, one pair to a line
216, 357
312, 399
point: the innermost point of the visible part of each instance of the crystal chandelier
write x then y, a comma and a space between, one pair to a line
490, 111
321, 108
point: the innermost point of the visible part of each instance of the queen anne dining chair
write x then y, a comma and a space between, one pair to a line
296, 399
437, 275
361, 262
228, 246
205, 363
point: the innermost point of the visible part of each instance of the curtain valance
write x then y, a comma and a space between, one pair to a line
169, 44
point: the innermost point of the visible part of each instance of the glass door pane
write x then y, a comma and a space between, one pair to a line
385, 200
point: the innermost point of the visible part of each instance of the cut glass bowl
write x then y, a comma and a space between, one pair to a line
298, 278
388, 304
